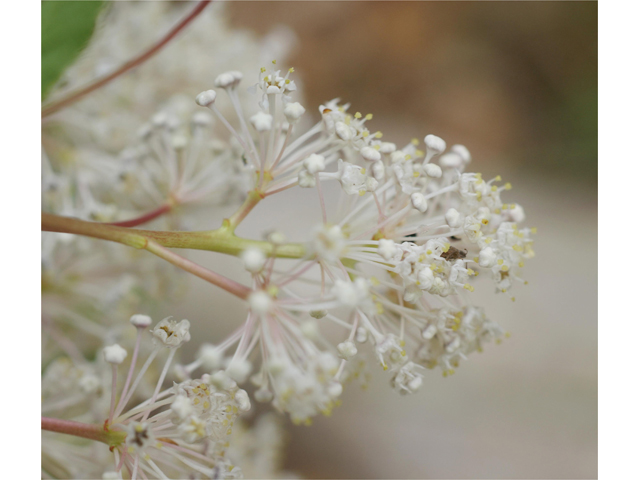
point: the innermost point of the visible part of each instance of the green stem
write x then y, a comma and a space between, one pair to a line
222, 240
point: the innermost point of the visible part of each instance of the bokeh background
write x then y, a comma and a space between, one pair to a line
516, 83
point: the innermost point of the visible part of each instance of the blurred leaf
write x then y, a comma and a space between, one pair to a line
66, 30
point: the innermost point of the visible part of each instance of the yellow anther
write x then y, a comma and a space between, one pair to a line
517, 248
470, 272
362, 192
377, 147
419, 153
369, 116
504, 268
273, 61
262, 69
494, 188
378, 135
526, 282
504, 290
498, 341
445, 374
454, 328
358, 115
478, 196
229, 432
230, 467
196, 401
513, 299
206, 405
469, 287
485, 221
500, 261
429, 252
402, 343
365, 133
403, 353
415, 141
416, 174
507, 334
496, 211
291, 70
407, 157
504, 206
534, 230
488, 240
476, 259
287, 81
521, 264
379, 309
266, 79
507, 186
498, 178
446, 247
384, 367
374, 281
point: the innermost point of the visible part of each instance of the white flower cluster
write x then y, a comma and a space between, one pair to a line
395, 265
172, 433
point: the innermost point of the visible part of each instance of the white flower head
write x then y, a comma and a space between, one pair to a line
141, 321
171, 334
293, 112
262, 122
253, 259
115, 354
206, 98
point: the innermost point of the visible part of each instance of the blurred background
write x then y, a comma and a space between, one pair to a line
516, 82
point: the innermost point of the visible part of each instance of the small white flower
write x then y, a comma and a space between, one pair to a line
239, 370
206, 98
253, 259
370, 154
293, 111
260, 302
419, 202
387, 249
454, 218
115, 354
347, 349
433, 170
140, 321
306, 179
314, 163
211, 356
170, 333
261, 121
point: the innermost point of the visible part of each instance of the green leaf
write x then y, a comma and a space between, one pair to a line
66, 30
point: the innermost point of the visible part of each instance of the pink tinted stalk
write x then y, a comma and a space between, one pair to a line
131, 368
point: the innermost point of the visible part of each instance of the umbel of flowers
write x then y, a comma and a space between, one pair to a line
393, 265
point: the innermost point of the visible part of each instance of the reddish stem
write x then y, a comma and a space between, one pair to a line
147, 217
210, 276
84, 430
77, 95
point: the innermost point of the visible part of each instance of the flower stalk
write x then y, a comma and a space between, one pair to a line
83, 430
